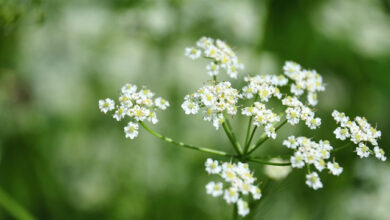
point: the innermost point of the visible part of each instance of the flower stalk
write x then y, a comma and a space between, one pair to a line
181, 144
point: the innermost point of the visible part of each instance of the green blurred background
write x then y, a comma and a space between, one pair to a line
60, 158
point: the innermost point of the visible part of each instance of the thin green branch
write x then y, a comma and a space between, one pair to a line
343, 147
250, 139
13, 208
264, 138
231, 139
261, 161
230, 128
235, 212
181, 144
248, 130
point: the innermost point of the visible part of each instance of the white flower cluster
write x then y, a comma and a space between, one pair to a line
262, 117
308, 80
221, 54
138, 105
309, 153
360, 132
240, 183
297, 111
214, 100
265, 86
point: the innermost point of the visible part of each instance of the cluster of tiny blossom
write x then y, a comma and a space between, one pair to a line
297, 111
308, 80
309, 153
265, 86
239, 180
262, 117
213, 101
360, 132
138, 105
219, 52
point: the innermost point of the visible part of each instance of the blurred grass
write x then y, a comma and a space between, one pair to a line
62, 159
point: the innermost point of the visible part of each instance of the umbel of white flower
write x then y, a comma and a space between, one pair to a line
216, 101
221, 55
239, 183
212, 101
361, 133
138, 105
311, 154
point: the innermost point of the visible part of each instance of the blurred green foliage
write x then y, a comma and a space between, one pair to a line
60, 158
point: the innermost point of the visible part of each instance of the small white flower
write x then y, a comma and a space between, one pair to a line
152, 117
341, 133
291, 69
380, 153
297, 161
193, 53
270, 131
307, 113
293, 115
291, 142
119, 113
297, 89
214, 189
161, 103
140, 113
229, 175
146, 94
248, 111
256, 192
313, 181
212, 166
320, 165
313, 123
131, 130
244, 187
232, 71
363, 150
129, 89
190, 107
243, 208
217, 121
248, 91
231, 195
106, 105
212, 69
312, 98
340, 117
335, 168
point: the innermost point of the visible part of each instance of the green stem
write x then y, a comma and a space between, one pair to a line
258, 160
181, 144
342, 147
235, 212
248, 130
234, 143
264, 138
231, 132
308, 168
13, 208
250, 139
